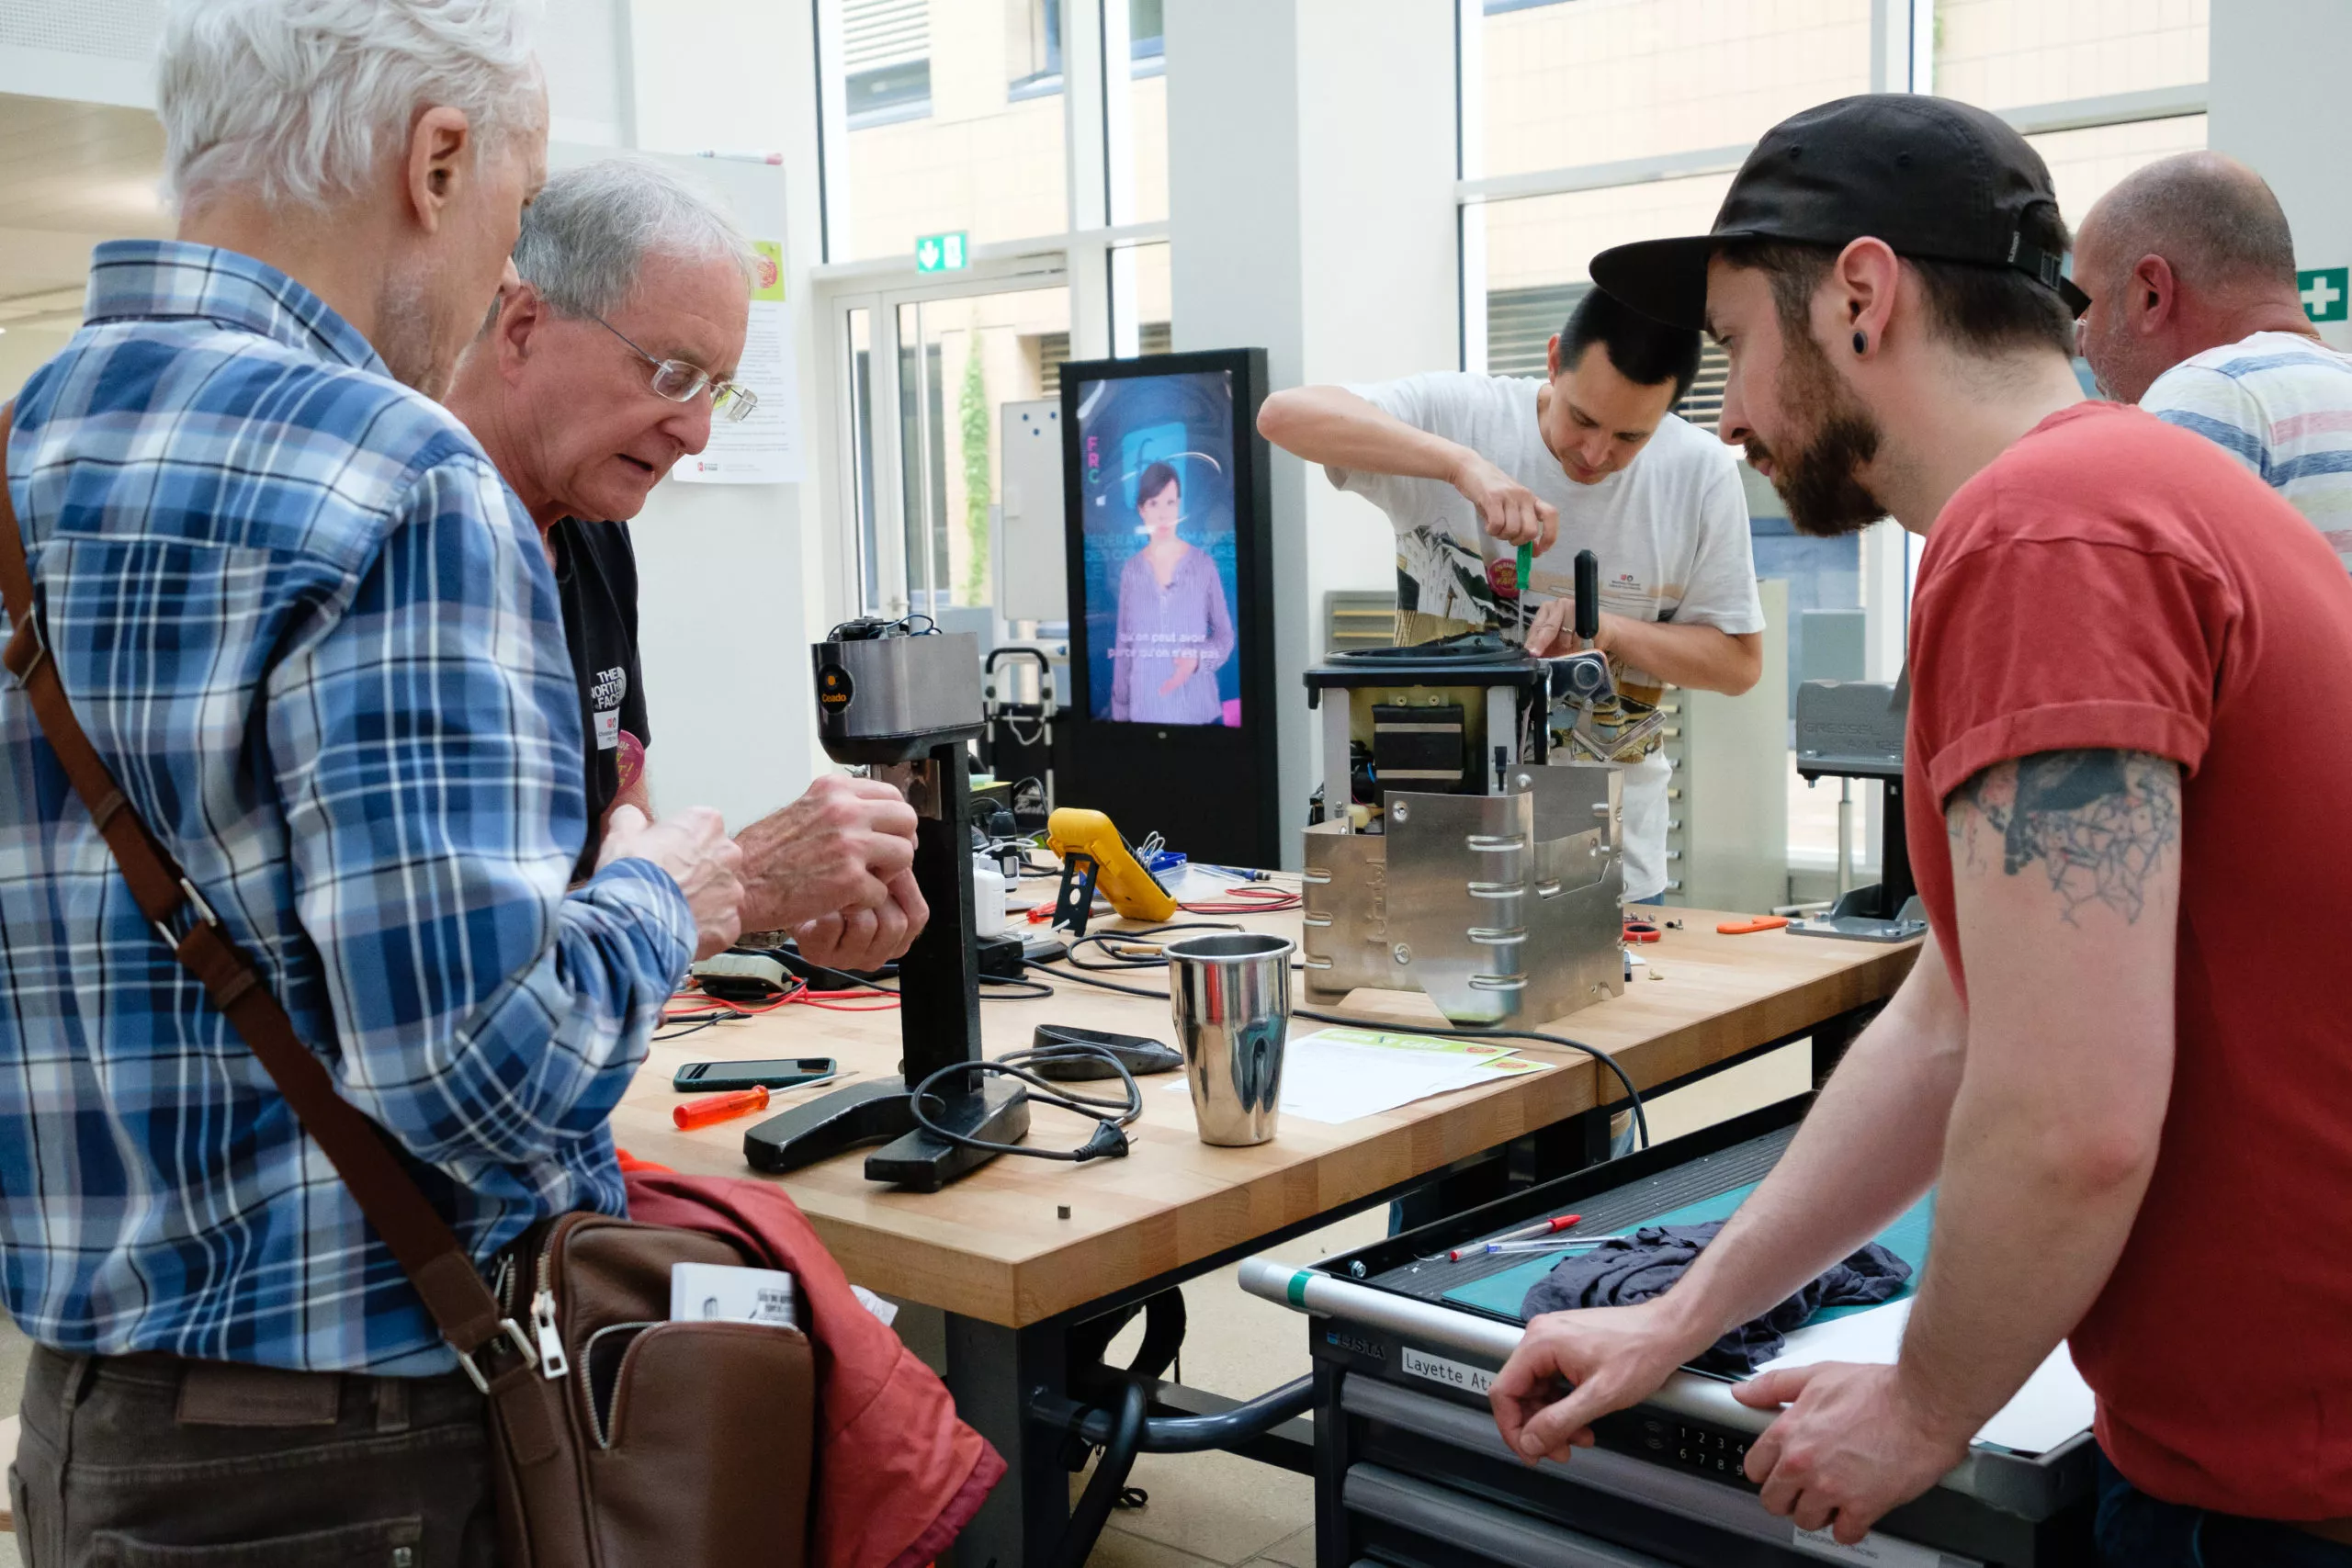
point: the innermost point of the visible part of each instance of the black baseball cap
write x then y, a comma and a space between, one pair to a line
1937, 180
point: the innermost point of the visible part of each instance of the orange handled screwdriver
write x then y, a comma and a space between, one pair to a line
715, 1107
1749, 928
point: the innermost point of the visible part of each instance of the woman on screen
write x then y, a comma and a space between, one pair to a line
1174, 629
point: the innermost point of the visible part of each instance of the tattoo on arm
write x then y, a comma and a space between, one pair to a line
2096, 823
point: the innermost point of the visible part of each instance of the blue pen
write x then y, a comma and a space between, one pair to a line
1495, 1246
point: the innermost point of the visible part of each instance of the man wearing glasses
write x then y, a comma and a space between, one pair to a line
608, 358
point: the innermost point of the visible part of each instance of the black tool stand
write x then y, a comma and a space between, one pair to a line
1854, 729
938, 991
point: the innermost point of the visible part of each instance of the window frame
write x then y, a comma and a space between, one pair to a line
1093, 259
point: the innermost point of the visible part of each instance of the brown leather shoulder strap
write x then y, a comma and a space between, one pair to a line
461, 1305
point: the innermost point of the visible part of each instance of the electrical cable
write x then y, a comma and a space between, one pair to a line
1249, 899
868, 627
1032, 990
1448, 1032
1109, 1142
1148, 961
1111, 1472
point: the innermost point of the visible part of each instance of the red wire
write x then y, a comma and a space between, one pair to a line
1249, 899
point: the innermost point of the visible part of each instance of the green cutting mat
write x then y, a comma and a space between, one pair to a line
1906, 1239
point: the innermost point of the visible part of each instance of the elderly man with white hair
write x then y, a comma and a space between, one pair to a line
605, 361
314, 641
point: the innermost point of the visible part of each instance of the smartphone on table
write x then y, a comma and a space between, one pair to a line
788, 1071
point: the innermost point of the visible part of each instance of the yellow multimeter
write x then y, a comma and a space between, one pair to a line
1125, 881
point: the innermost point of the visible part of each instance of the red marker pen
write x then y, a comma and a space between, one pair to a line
1548, 1227
715, 1107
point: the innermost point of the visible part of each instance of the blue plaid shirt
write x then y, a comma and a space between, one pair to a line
317, 641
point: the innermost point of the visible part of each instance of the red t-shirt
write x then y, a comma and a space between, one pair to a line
2113, 582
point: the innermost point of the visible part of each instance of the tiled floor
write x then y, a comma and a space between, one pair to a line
1214, 1510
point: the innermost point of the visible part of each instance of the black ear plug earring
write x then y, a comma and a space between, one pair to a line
1861, 344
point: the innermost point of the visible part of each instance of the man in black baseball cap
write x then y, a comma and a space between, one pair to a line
2117, 638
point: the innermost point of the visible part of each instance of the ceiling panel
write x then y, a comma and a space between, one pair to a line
71, 175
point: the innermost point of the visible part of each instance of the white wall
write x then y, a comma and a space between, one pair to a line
730, 576
582, 47
2276, 101
1310, 177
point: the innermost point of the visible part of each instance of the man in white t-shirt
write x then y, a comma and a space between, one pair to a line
2195, 315
1469, 466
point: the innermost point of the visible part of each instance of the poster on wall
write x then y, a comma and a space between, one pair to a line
1157, 476
764, 448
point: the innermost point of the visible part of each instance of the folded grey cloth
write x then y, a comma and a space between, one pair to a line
1634, 1269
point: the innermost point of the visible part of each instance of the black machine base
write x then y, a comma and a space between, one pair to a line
870, 1113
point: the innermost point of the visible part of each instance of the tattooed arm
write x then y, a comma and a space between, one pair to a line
2067, 871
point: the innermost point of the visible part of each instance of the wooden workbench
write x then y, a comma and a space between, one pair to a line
991, 1246
1013, 1278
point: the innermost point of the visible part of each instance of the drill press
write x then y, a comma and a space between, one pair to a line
906, 705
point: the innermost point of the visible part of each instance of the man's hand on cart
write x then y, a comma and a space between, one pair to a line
1614, 1356
1853, 1442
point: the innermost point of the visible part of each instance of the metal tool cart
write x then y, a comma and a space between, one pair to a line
1410, 1472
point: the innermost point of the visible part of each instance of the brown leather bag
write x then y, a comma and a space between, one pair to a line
623, 1440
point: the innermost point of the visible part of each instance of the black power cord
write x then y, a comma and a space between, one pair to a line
1108, 941
1447, 1032
1111, 1117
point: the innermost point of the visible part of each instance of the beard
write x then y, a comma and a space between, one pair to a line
404, 333
1815, 474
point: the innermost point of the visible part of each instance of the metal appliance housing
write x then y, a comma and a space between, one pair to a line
1501, 901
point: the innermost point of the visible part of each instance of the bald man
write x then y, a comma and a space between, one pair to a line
2195, 316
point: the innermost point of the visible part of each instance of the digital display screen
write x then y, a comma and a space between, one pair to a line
1156, 490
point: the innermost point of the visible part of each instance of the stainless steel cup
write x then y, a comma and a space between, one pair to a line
1230, 997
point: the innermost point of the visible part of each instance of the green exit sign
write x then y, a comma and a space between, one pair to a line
944, 253
2324, 292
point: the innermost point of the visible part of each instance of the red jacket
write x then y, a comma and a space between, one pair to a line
898, 1475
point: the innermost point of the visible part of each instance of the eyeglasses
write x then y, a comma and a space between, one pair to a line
683, 383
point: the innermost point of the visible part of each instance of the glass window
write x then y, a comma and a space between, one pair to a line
954, 122
1034, 46
2086, 165
1139, 300
1147, 110
2009, 53
960, 361
1537, 249
871, 570
1566, 83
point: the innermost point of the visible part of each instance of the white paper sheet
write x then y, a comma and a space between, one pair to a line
2054, 1405
1340, 1075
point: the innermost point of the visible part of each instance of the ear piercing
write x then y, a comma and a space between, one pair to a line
1861, 344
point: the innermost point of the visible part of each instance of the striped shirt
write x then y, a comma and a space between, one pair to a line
2281, 404
316, 640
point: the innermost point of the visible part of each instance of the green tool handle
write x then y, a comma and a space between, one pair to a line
1525, 565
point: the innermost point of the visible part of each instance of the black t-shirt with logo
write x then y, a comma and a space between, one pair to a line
596, 574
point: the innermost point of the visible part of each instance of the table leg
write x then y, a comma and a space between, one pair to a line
994, 1373
1332, 1439
1833, 1036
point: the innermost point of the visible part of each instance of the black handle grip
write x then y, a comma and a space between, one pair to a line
1587, 595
